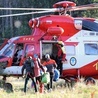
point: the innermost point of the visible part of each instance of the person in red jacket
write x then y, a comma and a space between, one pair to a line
61, 56
33, 67
50, 65
37, 72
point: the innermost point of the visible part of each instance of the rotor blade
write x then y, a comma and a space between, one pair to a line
26, 13
83, 7
39, 9
37, 12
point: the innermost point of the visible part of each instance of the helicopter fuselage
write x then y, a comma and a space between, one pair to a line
79, 35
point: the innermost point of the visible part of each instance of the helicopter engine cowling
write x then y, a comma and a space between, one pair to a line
55, 31
53, 24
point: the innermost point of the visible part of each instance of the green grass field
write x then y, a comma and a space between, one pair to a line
80, 90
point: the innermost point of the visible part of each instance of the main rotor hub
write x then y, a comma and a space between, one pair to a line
64, 4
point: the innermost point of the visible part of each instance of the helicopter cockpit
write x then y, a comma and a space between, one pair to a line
9, 50
4, 48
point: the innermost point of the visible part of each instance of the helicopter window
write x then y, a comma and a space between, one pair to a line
9, 51
97, 34
91, 49
84, 28
90, 25
47, 48
29, 48
70, 50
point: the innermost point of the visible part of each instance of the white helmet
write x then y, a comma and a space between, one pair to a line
47, 56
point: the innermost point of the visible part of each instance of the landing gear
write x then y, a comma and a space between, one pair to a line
89, 80
4, 78
6, 86
70, 81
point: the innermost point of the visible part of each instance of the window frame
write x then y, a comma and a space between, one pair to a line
91, 45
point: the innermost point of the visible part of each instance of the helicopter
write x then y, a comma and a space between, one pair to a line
79, 35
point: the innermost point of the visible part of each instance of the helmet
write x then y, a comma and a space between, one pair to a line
54, 38
60, 43
29, 55
47, 56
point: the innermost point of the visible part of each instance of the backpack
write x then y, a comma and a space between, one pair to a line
56, 75
30, 62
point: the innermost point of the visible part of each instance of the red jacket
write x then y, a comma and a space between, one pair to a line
50, 64
61, 53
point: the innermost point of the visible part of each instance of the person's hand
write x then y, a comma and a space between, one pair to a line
45, 71
23, 76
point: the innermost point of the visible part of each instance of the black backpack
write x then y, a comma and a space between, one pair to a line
29, 62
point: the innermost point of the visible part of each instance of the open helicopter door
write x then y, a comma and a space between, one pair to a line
49, 47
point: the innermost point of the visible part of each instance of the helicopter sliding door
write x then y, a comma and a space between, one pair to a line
48, 47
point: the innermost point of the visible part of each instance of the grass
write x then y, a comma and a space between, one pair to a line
80, 90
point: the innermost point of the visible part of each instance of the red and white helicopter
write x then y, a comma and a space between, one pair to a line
79, 35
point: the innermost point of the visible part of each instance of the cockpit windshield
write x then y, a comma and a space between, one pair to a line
9, 50
90, 25
86, 25
4, 48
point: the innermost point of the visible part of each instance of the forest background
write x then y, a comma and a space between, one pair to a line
8, 25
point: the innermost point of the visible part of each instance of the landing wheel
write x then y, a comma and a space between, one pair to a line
6, 86
90, 80
70, 82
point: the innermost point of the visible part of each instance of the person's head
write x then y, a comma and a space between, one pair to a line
28, 60
55, 38
35, 56
27, 55
47, 57
20, 47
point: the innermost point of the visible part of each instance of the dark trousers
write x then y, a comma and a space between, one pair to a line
49, 85
60, 66
26, 82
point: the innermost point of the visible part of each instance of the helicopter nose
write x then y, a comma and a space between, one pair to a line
33, 23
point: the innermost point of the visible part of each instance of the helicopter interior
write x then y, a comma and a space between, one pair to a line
19, 47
